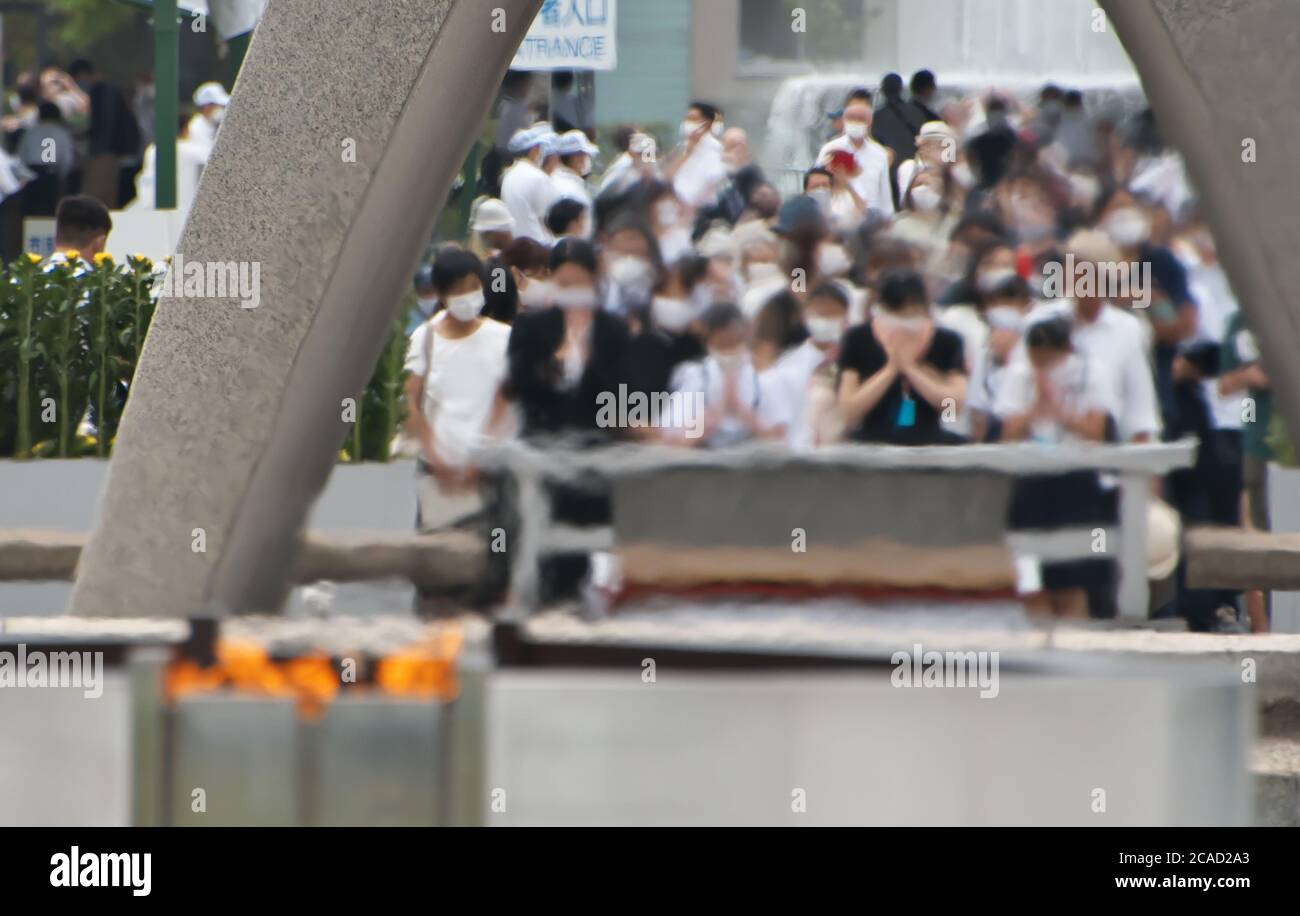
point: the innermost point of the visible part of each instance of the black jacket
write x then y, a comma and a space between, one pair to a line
535, 376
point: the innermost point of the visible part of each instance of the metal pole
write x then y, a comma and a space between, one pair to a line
166, 54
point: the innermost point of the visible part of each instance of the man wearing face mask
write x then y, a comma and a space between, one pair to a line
872, 182
697, 169
570, 176
1171, 311
456, 361
526, 190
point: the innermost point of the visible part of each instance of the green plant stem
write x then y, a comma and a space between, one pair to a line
23, 444
101, 356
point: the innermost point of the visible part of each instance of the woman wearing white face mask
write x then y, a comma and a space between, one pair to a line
670, 337
1005, 306
926, 220
562, 357
456, 361
902, 378
800, 386
726, 384
529, 265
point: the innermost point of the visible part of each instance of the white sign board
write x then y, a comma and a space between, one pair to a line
570, 35
38, 235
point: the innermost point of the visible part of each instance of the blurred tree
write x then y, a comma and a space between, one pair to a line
83, 22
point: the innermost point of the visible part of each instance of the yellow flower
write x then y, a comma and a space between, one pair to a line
72, 254
34, 257
103, 258
142, 259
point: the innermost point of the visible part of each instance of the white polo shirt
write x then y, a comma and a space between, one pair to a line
528, 193
872, 181
1115, 343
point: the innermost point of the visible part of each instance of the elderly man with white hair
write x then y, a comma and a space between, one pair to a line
526, 190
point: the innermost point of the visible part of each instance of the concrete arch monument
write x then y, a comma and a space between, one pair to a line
235, 414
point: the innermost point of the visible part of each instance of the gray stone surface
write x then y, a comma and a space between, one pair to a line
834, 506
235, 414
607, 748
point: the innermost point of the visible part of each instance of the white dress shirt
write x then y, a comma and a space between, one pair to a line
698, 178
528, 193
872, 180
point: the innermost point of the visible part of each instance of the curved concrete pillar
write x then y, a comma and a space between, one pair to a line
1222, 78
235, 414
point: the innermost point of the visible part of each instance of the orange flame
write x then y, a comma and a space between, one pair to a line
426, 670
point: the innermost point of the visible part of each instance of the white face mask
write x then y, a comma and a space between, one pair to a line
824, 330
666, 212
822, 196
466, 306
926, 198
1004, 318
832, 260
575, 297
855, 130
674, 243
762, 271
536, 294
989, 280
963, 175
688, 128
910, 324
1084, 190
716, 129
426, 304
670, 313
1127, 227
632, 274
731, 361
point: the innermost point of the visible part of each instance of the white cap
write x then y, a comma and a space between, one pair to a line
211, 94
526, 138
575, 141
491, 215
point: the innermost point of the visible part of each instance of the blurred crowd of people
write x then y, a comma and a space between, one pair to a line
71, 131
905, 296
